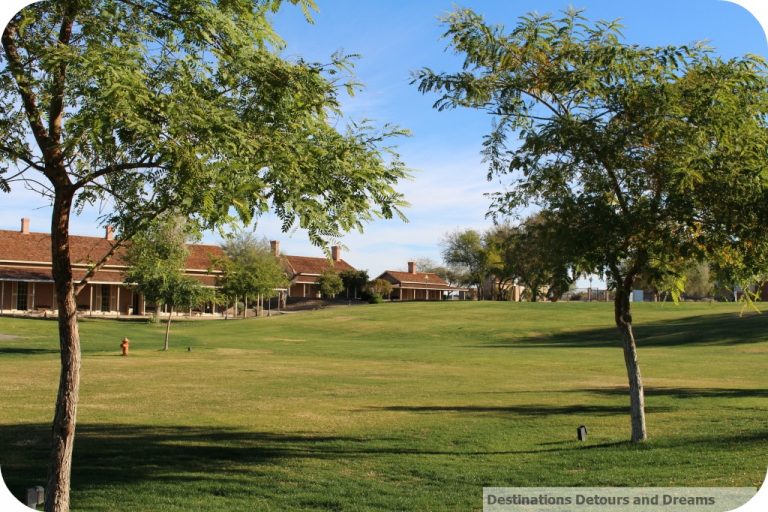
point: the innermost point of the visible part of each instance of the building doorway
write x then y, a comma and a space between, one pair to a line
22, 290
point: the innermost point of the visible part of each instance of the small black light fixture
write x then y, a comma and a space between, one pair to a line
581, 433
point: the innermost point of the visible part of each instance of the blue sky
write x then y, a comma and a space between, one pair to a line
397, 37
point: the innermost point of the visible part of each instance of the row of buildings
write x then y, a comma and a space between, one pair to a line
26, 282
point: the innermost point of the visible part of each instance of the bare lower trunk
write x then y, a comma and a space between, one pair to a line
60, 464
636, 395
168, 328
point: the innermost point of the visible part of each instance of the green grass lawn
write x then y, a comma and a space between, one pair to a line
394, 406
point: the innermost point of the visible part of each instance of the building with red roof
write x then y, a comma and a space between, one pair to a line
304, 272
26, 282
413, 285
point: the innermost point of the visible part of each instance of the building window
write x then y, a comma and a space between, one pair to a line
105, 296
21, 296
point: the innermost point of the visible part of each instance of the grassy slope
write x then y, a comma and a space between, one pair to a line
394, 406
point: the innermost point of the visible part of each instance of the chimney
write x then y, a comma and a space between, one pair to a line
275, 246
25, 226
336, 253
411, 267
109, 233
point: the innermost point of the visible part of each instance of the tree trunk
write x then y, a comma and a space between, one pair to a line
63, 431
636, 395
168, 329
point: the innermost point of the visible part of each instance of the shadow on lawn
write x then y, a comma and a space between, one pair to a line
521, 410
684, 392
217, 459
720, 329
110, 454
26, 351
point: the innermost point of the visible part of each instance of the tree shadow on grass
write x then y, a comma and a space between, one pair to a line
132, 454
109, 454
720, 329
26, 351
683, 392
219, 461
519, 410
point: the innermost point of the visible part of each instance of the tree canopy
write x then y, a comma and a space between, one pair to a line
249, 268
354, 282
330, 283
464, 252
527, 255
156, 260
642, 158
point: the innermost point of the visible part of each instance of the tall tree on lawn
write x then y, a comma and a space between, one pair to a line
147, 106
642, 159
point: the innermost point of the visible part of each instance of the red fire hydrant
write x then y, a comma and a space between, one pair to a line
124, 346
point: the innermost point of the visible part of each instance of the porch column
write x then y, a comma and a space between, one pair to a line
118, 301
90, 302
2, 295
33, 296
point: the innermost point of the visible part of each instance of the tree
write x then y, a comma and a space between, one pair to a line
645, 158
354, 282
156, 259
530, 257
698, 284
496, 242
330, 283
464, 251
249, 268
380, 288
145, 106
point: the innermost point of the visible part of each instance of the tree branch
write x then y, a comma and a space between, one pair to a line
95, 268
115, 168
120, 242
56, 108
28, 97
13, 154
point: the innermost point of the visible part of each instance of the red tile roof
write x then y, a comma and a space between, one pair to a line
313, 266
418, 278
36, 247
